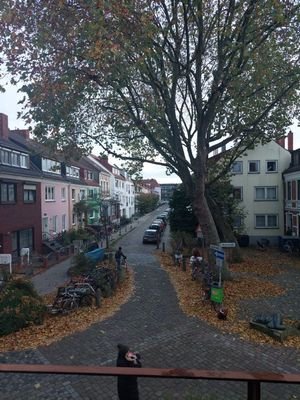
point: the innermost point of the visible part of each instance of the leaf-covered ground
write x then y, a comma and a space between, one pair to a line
249, 285
55, 327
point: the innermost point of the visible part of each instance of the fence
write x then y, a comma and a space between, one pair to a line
253, 379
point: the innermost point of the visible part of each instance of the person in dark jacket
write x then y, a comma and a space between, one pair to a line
127, 385
118, 257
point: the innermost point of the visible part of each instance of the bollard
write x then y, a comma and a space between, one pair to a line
163, 247
98, 297
183, 264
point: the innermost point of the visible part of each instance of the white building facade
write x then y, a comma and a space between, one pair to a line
258, 184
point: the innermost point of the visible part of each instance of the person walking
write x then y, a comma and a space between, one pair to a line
118, 257
127, 385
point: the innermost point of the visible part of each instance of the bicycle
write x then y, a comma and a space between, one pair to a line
64, 302
178, 257
125, 264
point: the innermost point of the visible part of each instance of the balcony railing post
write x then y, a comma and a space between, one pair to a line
253, 390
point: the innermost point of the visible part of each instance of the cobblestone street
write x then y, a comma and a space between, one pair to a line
152, 323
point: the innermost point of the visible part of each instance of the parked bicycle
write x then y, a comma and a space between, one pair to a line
71, 297
64, 302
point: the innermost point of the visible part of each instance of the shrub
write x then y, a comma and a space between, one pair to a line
82, 265
184, 241
20, 306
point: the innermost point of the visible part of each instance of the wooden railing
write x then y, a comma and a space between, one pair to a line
253, 379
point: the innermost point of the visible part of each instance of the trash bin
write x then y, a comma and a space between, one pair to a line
217, 294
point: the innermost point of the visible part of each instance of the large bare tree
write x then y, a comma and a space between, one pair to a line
165, 81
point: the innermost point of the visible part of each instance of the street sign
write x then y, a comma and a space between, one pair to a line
215, 247
219, 255
227, 245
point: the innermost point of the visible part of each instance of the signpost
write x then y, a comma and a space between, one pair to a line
220, 256
227, 245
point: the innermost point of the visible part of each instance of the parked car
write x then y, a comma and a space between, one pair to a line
150, 236
157, 227
160, 222
163, 218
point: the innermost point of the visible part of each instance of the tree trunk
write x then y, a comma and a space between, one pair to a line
203, 213
224, 229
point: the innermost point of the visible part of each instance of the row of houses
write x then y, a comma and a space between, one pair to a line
42, 194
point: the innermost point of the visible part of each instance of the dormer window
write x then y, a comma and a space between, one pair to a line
14, 158
50, 166
72, 172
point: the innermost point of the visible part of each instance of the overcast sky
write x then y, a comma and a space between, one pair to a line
9, 106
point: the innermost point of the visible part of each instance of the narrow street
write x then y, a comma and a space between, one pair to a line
151, 323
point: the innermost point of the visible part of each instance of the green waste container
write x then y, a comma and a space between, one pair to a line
217, 294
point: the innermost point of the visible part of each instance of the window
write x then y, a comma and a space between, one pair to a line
237, 221
26, 238
238, 193
89, 175
29, 193
8, 193
14, 158
63, 194
298, 190
63, 222
266, 193
253, 167
50, 166
266, 221
5, 156
73, 194
237, 167
289, 190
72, 171
54, 223
82, 194
24, 161
49, 193
271, 166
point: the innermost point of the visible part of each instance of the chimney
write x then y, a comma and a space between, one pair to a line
290, 143
21, 132
4, 126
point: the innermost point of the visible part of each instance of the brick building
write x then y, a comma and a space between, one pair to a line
20, 201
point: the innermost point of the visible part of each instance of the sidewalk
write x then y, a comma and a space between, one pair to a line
55, 276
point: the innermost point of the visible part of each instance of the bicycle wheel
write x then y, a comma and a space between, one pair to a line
70, 304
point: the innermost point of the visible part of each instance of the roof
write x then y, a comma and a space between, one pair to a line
11, 145
33, 171
149, 183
